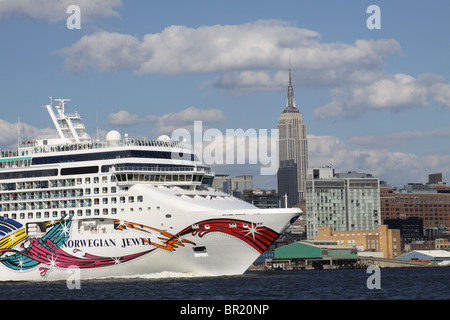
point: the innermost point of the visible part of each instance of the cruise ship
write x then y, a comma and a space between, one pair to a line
70, 204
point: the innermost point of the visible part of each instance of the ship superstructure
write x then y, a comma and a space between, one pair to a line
121, 207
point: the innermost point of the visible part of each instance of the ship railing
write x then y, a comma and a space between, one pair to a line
90, 145
9, 154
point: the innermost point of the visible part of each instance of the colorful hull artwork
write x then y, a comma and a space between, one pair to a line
57, 250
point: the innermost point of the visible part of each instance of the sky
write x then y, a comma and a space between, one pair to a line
374, 100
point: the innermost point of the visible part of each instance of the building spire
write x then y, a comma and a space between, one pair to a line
290, 104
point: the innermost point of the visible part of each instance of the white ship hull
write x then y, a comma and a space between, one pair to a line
211, 242
72, 207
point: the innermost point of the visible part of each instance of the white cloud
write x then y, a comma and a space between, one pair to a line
262, 45
9, 133
398, 138
192, 114
397, 168
124, 118
167, 123
255, 56
108, 52
56, 10
376, 90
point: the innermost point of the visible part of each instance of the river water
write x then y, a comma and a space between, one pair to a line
278, 289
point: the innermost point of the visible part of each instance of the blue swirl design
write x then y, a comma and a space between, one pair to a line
8, 225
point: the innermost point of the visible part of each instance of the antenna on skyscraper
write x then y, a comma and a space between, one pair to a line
290, 79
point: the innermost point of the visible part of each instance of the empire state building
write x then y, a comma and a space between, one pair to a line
292, 152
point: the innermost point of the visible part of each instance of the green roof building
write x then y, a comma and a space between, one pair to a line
315, 249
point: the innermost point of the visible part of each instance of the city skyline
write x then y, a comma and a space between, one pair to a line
374, 100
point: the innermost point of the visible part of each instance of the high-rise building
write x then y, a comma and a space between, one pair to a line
342, 202
288, 184
293, 143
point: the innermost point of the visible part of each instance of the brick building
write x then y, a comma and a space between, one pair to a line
382, 239
431, 204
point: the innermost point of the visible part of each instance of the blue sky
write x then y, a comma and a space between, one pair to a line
375, 101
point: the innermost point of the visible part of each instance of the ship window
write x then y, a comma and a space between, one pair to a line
114, 200
105, 190
140, 199
96, 190
87, 180
29, 174
30, 215
105, 211
113, 189
131, 199
79, 170
55, 214
96, 212
199, 249
200, 252
46, 214
109, 155
105, 200
113, 211
88, 212
79, 213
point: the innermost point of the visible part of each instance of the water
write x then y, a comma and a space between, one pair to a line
346, 284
